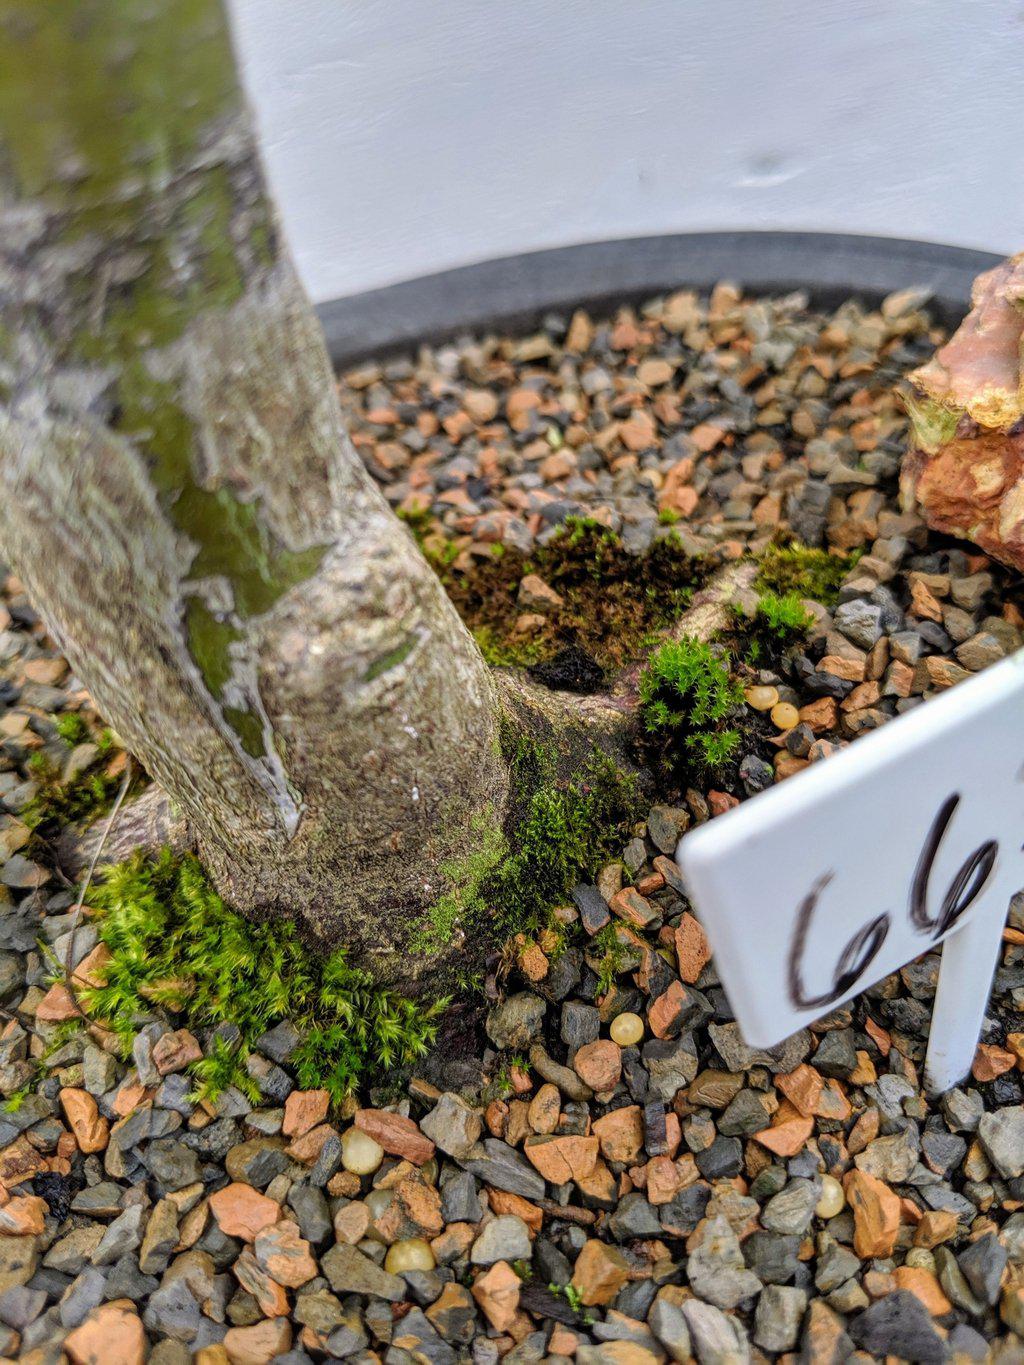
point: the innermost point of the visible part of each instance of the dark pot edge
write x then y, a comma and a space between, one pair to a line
516, 291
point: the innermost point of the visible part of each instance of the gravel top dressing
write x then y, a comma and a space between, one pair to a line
587, 1162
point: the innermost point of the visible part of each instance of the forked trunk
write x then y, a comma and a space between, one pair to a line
180, 499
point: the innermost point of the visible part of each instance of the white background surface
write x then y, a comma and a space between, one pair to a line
404, 137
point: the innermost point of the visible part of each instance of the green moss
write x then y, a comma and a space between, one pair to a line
419, 520
230, 537
785, 616
58, 803
796, 568
249, 729
209, 642
610, 955
571, 1294
563, 828
469, 880
501, 652
72, 728
778, 622
687, 696
932, 424
173, 942
586, 532
14, 1102
437, 549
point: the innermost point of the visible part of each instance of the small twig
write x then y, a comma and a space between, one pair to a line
76, 917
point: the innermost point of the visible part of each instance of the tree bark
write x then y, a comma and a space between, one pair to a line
180, 499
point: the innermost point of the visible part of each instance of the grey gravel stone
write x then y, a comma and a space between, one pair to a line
667, 1322
416, 1335
1002, 1136
772, 1256
780, 1311
671, 1064
716, 1269
983, 1263
84, 1294
257, 1161
505, 1238
173, 1312
311, 1212
72, 1252
593, 908
779, 1060
516, 1021
172, 1164
859, 621
20, 1305
460, 1199
891, 1158
279, 1042
634, 1217
160, 1238
792, 1210
580, 1024
962, 1109
453, 1125
954, 1282
666, 825
898, 1325
348, 1271
717, 1339
498, 1165
966, 1344
121, 1236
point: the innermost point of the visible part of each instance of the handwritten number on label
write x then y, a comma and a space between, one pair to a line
864, 946
856, 956
964, 887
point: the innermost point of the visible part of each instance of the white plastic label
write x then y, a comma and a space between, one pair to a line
821, 886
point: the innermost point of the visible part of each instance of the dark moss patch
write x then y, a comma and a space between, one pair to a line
612, 601
571, 669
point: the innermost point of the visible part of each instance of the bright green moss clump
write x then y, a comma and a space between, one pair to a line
71, 728
687, 695
797, 569
778, 622
174, 943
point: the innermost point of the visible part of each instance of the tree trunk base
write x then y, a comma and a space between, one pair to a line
388, 924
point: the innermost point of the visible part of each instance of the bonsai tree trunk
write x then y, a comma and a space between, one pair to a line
179, 497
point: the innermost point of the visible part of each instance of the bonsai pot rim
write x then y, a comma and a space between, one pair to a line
514, 292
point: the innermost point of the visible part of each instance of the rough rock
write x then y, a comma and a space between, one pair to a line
453, 1126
